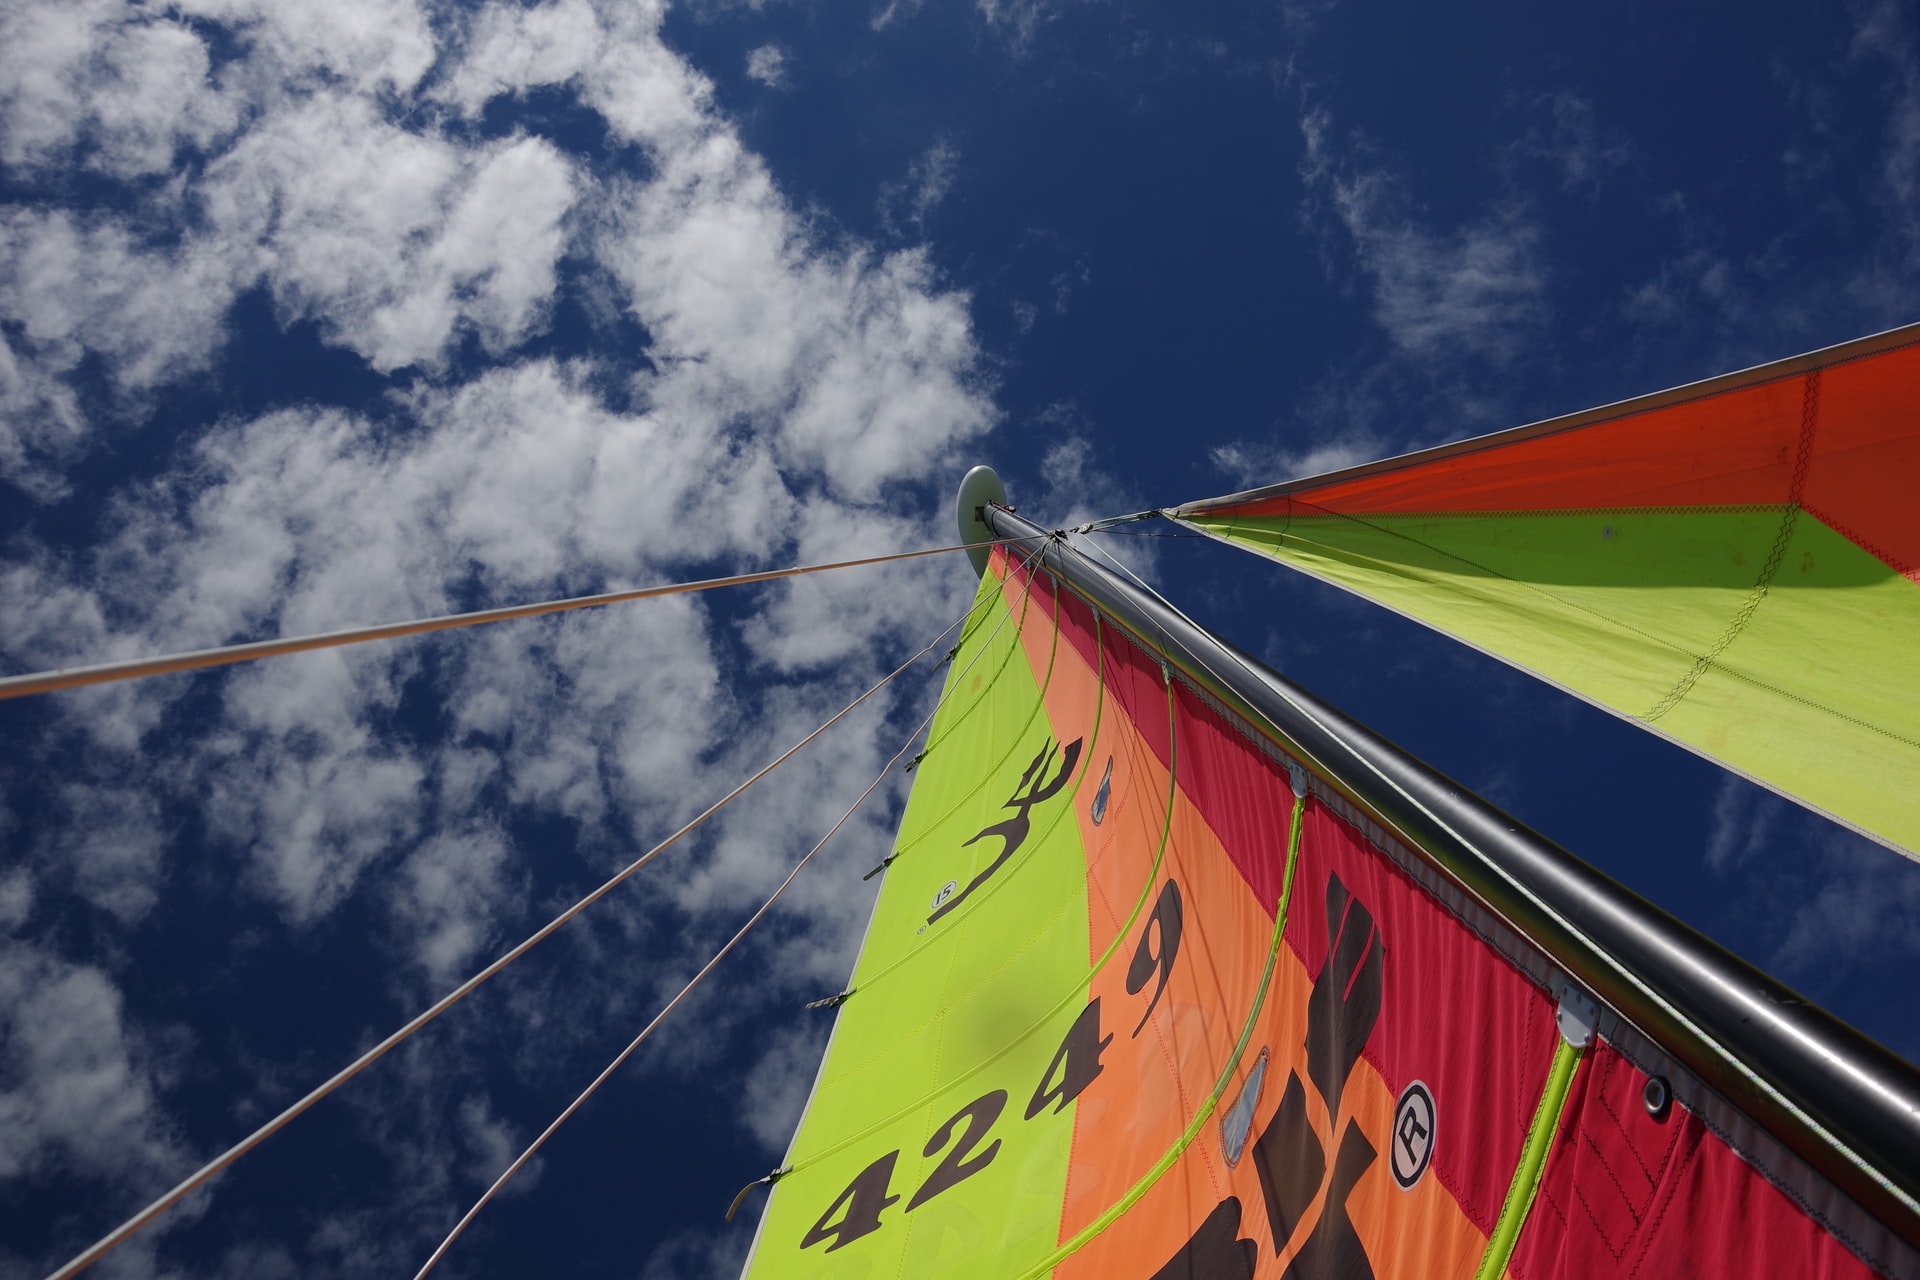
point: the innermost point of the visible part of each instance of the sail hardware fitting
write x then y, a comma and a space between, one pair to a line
765, 1181
831, 1002
1578, 1016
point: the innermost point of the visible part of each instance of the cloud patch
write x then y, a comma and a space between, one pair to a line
1478, 289
768, 65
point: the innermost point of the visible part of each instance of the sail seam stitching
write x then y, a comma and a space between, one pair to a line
1789, 519
1227, 534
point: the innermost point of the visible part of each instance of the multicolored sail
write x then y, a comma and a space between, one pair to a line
1734, 564
1143, 998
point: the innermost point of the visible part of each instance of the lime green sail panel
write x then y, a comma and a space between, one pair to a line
973, 974
1734, 565
1622, 606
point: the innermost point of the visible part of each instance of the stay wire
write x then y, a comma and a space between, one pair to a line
125, 1230
226, 655
685, 991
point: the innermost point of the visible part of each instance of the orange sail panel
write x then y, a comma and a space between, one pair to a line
1141, 1000
1735, 564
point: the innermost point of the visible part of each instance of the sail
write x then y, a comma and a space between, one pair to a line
1734, 564
1146, 996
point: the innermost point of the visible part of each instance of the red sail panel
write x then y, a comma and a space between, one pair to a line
1738, 447
1628, 1195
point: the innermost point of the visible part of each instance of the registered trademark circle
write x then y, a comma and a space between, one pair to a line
1412, 1145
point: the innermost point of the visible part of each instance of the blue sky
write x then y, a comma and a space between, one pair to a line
318, 315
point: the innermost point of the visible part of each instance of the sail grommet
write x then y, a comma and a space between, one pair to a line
1657, 1095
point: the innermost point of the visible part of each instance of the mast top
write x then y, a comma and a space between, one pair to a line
979, 488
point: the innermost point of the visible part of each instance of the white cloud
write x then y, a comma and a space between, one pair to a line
715, 1252
16, 897
1479, 288
867, 370
374, 45
784, 367
390, 238
1885, 36
1862, 908
930, 179
892, 11
77, 283
768, 65
1567, 134
73, 1087
41, 425
511, 48
133, 83
1828, 901
110, 840
1017, 21
779, 1083
1250, 464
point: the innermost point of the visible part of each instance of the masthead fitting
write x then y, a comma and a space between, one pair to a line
979, 488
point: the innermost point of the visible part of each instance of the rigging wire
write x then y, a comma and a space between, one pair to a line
120, 1234
1142, 533
225, 655
693, 982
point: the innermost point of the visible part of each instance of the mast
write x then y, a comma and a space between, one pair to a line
1845, 1105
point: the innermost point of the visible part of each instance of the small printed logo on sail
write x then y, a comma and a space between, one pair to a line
1412, 1135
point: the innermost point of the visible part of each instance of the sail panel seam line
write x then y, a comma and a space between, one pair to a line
1701, 663
1789, 518
21, 686
125, 1230
1686, 682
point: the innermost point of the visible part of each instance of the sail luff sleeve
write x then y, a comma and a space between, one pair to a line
1839, 1102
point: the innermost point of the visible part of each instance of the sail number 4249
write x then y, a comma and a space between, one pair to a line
856, 1211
